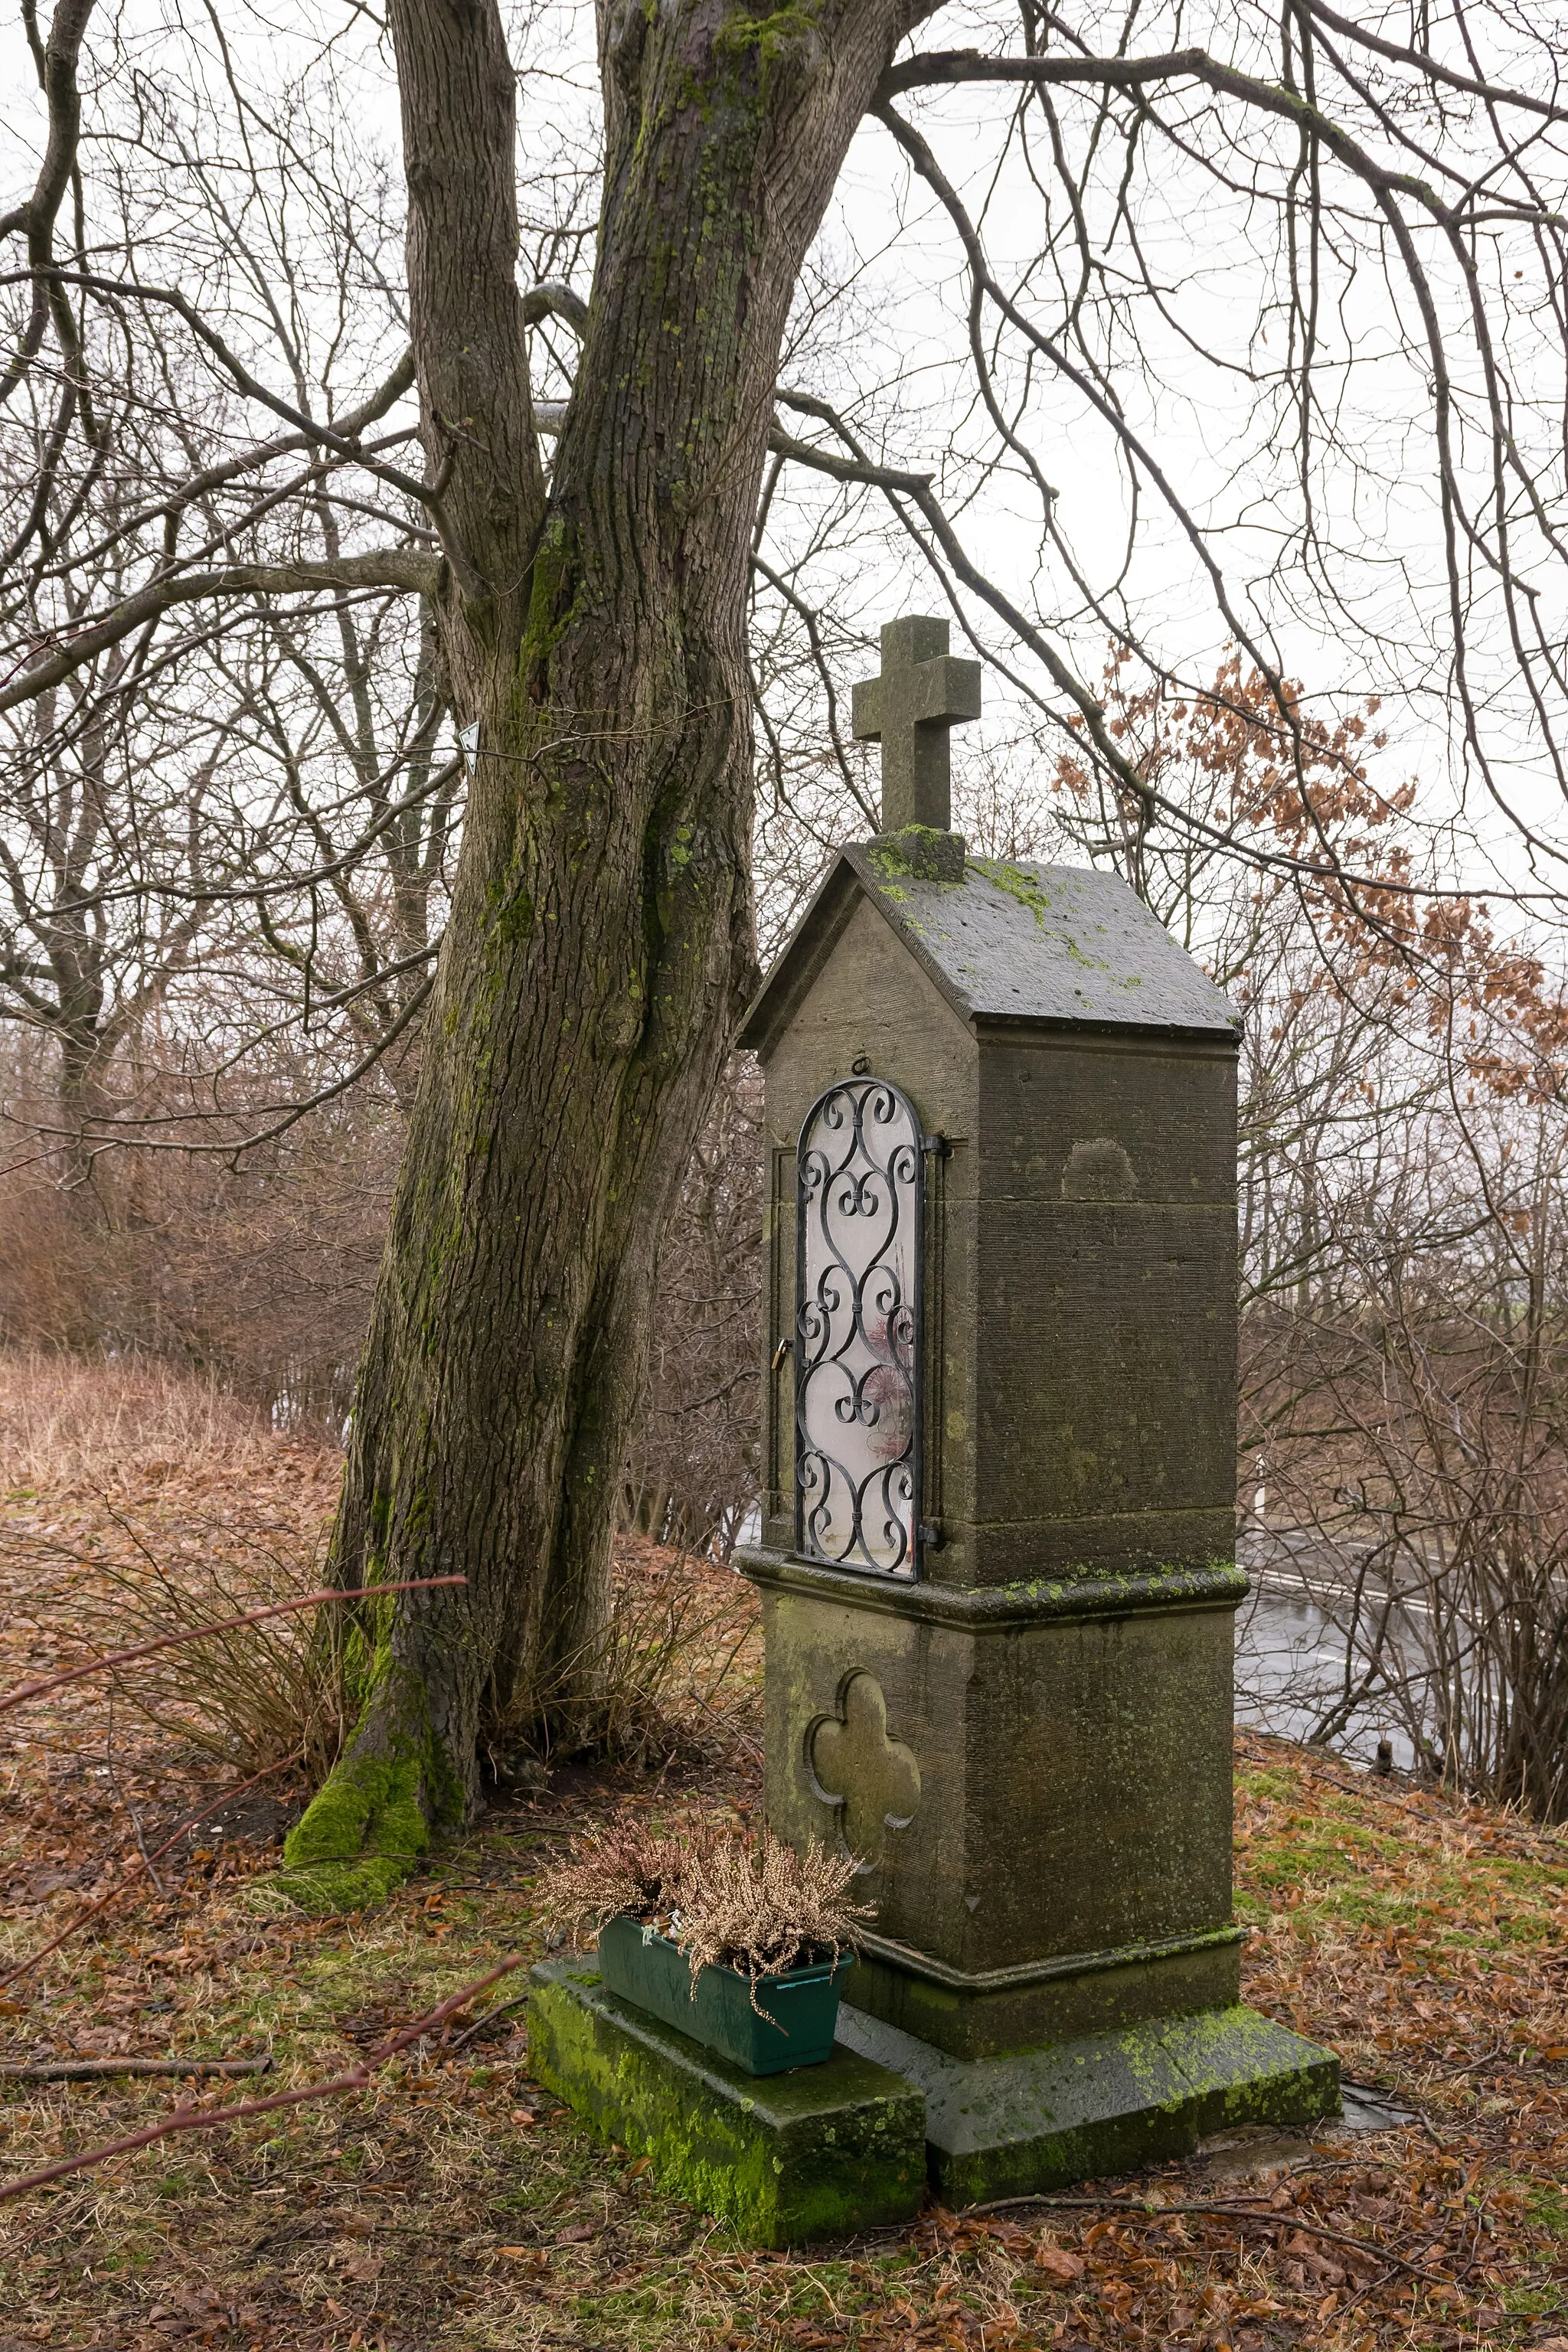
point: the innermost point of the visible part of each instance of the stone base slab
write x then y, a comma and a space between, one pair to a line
819, 2153
1106, 2103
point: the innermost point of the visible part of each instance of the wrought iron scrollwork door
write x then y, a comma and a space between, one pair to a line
860, 1193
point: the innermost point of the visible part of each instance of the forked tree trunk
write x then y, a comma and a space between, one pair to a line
600, 946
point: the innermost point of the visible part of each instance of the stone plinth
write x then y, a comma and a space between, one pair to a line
822, 2152
1038, 2119
1037, 1782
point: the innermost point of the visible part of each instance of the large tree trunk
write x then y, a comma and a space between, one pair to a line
600, 946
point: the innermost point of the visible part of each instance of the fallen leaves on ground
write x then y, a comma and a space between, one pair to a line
455, 2205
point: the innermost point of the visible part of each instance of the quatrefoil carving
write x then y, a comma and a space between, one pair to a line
872, 1779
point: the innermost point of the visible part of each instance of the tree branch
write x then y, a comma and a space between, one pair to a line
457, 93
1425, 63
945, 68
349, 426
426, 494
552, 299
408, 569
58, 74
170, 297
898, 483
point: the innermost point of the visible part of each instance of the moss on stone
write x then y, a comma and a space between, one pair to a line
1024, 2121
1017, 882
819, 2152
922, 851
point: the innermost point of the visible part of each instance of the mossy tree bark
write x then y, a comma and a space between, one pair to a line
600, 946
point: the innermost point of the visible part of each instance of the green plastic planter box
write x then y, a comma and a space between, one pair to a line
645, 1968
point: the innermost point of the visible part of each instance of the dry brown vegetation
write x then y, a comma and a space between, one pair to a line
691, 1474
257, 1275
239, 1296
1405, 1413
78, 1426
455, 2205
727, 1898
140, 1503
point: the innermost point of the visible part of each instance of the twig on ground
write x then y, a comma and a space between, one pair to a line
726, 1725
480, 2024
1274, 2215
120, 1798
91, 2070
183, 2119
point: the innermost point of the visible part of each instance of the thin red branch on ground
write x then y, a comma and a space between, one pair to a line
102, 2070
186, 2118
1274, 2216
224, 1625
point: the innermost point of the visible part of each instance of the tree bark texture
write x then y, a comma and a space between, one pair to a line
600, 948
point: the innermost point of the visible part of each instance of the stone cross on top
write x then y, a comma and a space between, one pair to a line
921, 692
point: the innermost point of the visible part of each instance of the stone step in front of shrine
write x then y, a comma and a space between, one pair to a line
1032, 2120
823, 2152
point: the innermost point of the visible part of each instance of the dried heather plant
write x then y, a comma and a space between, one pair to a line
721, 1895
762, 1908
620, 1866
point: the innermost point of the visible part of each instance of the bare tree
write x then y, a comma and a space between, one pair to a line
590, 612
1405, 1405
250, 787
1405, 1279
224, 843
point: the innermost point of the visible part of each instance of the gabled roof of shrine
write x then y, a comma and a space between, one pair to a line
1057, 945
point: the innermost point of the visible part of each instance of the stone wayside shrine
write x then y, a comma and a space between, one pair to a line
996, 1556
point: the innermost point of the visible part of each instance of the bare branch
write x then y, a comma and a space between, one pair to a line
1495, 93
552, 299
58, 74
187, 2118
951, 67
115, 1659
407, 569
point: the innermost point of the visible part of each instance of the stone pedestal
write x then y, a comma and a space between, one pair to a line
820, 2153
1038, 1781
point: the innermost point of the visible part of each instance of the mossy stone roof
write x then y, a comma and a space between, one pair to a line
1061, 945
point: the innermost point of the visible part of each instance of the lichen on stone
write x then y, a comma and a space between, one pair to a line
920, 851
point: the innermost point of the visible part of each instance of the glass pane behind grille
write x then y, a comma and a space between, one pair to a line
857, 1347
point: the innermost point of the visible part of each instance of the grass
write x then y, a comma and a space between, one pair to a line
455, 2208
71, 1424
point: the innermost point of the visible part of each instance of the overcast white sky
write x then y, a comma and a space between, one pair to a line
890, 347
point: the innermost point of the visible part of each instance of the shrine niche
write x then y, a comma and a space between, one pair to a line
860, 1205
